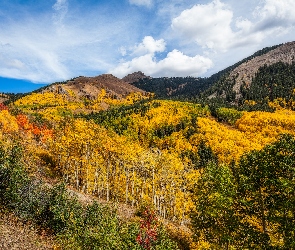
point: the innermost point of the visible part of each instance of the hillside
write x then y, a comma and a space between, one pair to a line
174, 87
244, 73
78, 95
148, 153
252, 79
90, 87
199, 175
254, 73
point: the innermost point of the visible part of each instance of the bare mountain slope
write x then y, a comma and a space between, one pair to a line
247, 70
90, 87
267, 73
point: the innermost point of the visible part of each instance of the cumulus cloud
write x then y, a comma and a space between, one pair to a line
283, 9
206, 24
275, 15
149, 45
213, 26
174, 64
146, 3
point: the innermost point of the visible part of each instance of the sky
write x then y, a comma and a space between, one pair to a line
54, 40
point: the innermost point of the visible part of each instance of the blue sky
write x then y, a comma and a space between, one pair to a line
47, 41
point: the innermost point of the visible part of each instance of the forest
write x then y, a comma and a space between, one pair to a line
199, 176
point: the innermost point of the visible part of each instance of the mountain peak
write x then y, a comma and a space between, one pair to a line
135, 77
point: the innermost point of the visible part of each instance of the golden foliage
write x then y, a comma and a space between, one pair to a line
8, 122
144, 164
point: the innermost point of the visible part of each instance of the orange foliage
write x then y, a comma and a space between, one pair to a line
40, 132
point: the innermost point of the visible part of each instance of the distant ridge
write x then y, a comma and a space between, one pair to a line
260, 72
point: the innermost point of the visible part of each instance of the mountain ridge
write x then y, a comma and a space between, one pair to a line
192, 87
135, 77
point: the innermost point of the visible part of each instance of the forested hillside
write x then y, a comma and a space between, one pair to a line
218, 174
261, 78
188, 164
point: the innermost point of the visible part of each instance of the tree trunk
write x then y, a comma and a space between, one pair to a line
262, 211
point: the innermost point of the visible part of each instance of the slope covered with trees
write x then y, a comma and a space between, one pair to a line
225, 173
157, 153
250, 84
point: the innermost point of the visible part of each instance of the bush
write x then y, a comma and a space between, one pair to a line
228, 115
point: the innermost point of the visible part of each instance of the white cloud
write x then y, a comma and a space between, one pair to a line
275, 16
213, 26
175, 63
146, 3
178, 64
208, 25
283, 9
149, 45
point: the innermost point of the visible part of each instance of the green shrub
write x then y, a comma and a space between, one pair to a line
228, 115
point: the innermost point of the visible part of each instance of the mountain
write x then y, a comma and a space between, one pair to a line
191, 87
266, 75
90, 87
174, 87
135, 77
83, 87
268, 72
